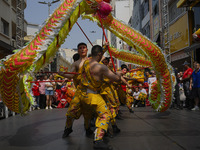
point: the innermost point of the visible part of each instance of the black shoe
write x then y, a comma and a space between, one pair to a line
115, 129
89, 132
108, 134
119, 112
67, 131
99, 144
131, 111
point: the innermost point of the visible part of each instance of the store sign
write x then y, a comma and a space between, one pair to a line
178, 56
179, 37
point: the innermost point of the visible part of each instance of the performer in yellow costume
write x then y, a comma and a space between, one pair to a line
129, 100
92, 78
74, 111
109, 94
121, 92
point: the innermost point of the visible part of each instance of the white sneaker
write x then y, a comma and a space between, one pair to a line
46, 107
50, 107
195, 108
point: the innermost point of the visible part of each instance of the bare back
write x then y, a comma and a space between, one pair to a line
100, 70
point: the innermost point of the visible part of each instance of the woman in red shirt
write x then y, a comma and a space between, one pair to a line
36, 93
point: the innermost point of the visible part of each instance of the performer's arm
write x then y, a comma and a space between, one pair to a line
114, 77
69, 76
124, 81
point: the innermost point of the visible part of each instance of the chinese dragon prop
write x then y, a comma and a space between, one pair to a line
19, 67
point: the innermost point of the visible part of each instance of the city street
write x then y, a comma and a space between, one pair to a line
143, 130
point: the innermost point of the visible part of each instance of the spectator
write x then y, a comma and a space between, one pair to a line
143, 95
147, 75
36, 93
76, 57
151, 80
177, 102
42, 101
49, 92
135, 96
186, 83
105, 61
195, 81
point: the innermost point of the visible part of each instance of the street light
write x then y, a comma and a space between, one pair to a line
49, 3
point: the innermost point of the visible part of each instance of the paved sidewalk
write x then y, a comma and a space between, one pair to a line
143, 130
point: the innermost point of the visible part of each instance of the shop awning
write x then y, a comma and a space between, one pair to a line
6, 47
192, 47
187, 3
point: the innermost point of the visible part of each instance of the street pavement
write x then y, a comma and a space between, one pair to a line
143, 130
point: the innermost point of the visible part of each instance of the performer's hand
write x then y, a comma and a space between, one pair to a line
129, 86
106, 43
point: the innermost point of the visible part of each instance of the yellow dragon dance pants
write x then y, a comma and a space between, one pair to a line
110, 96
129, 101
97, 103
75, 110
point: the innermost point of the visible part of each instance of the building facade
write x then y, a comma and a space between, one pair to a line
10, 26
122, 10
183, 21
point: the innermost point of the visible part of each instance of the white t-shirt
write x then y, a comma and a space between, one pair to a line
150, 81
49, 83
136, 95
143, 91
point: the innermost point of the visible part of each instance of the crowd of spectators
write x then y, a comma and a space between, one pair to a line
48, 93
187, 89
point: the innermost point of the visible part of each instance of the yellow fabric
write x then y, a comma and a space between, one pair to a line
121, 94
77, 78
97, 103
198, 32
138, 75
142, 96
108, 90
76, 109
129, 101
93, 101
87, 80
99, 133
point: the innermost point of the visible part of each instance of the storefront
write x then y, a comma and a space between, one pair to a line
5, 49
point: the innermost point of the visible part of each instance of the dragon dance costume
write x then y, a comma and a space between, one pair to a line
91, 98
110, 96
74, 111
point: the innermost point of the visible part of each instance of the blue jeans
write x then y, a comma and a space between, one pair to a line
48, 92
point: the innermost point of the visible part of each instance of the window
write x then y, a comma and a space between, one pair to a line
174, 12
155, 10
14, 4
146, 30
4, 27
145, 8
